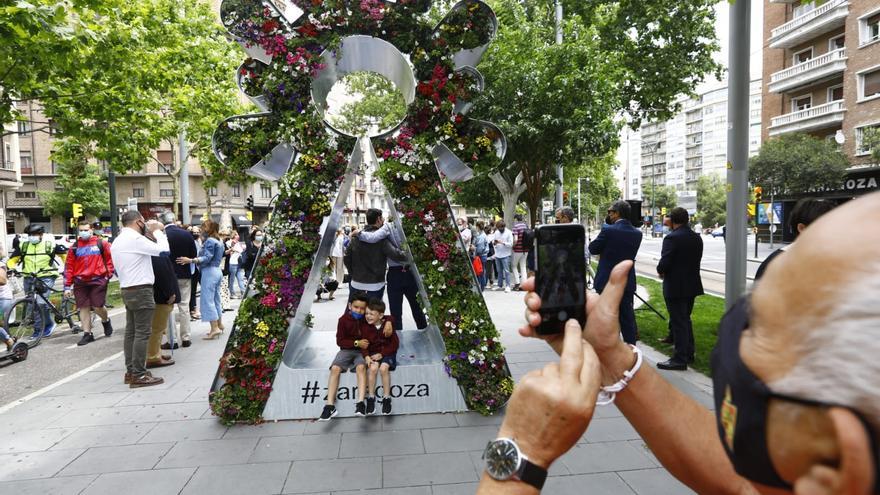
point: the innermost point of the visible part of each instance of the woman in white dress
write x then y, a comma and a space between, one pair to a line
337, 253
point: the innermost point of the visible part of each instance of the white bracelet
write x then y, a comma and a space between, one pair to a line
609, 392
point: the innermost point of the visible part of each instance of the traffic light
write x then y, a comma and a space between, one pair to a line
758, 192
77, 210
250, 203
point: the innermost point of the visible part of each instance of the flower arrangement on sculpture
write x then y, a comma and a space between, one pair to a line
475, 356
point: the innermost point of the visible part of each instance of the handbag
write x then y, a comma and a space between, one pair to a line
478, 266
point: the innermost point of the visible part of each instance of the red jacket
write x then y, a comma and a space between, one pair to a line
85, 263
386, 346
348, 330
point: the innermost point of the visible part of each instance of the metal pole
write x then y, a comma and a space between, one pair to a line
184, 178
114, 209
559, 42
737, 151
772, 217
580, 218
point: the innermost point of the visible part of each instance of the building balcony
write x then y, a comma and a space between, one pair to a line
820, 20
818, 117
824, 67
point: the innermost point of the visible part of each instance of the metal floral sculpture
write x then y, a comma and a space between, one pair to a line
297, 51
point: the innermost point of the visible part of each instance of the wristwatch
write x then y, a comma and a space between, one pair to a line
504, 461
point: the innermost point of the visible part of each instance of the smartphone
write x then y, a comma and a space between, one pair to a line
561, 276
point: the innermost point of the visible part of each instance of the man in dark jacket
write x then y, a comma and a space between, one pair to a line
166, 293
366, 262
618, 241
679, 268
182, 245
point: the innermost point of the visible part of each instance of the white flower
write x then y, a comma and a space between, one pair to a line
441, 269
434, 262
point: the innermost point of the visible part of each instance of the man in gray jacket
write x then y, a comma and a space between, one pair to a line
366, 262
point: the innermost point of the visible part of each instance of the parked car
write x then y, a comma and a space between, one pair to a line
719, 232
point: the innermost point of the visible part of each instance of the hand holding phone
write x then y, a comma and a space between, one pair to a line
560, 280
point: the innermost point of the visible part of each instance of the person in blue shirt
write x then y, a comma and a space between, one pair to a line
209, 259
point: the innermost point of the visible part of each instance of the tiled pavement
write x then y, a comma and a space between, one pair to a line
94, 435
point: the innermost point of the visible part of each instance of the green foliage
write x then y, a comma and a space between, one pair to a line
377, 104
711, 200
478, 193
666, 197
78, 181
797, 163
871, 142
599, 192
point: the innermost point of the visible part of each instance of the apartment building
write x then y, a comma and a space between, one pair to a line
690, 144
10, 175
822, 71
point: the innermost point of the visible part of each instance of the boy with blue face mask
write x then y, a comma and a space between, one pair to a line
350, 337
87, 272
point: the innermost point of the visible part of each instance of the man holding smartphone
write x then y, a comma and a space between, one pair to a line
618, 241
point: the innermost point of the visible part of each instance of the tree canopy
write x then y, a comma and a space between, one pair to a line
375, 104
666, 197
797, 163
711, 200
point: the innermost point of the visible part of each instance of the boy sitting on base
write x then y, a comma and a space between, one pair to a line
352, 344
382, 353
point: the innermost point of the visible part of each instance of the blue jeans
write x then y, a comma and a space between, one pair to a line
209, 300
236, 276
42, 320
5, 305
483, 277
502, 266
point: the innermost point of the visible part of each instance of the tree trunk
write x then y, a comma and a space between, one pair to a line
510, 193
533, 178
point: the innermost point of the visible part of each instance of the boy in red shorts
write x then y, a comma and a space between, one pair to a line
382, 356
87, 271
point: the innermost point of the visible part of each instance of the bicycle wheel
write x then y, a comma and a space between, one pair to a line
23, 320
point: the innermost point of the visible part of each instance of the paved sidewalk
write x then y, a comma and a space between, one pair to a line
94, 435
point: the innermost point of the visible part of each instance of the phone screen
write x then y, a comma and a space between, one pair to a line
561, 276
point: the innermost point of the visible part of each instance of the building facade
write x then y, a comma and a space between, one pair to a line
690, 144
10, 176
822, 71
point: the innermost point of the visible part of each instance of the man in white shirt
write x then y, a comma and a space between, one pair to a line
503, 241
132, 253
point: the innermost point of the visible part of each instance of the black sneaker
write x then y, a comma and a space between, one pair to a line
187, 343
86, 338
386, 406
166, 346
371, 405
108, 328
359, 409
328, 412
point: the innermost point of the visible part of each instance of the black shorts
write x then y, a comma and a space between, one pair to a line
391, 361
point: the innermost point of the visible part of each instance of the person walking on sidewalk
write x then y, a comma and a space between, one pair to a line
235, 247
502, 239
679, 267
37, 258
166, 292
522, 236
481, 250
209, 260
87, 272
133, 253
181, 243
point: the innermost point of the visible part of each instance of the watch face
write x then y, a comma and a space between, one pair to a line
502, 459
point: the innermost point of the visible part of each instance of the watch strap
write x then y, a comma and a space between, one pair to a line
532, 474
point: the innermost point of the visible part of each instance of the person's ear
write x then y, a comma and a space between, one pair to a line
854, 473
801, 227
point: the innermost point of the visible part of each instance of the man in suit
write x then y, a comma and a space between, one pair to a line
182, 245
618, 241
679, 268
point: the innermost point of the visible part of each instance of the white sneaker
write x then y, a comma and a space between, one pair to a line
507, 289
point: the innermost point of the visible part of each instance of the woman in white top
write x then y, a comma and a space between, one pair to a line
502, 239
234, 247
5, 304
337, 253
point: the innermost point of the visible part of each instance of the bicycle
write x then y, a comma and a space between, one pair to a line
25, 316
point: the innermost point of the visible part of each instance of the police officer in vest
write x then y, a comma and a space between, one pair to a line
36, 257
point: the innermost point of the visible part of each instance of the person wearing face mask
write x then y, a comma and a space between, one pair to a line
794, 372
209, 259
37, 259
617, 241
133, 253
252, 249
87, 272
181, 243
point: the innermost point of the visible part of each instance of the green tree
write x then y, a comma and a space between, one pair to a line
376, 104
666, 197
797, 163
78, 181
871, 142
477, 193
560, 103
711, 200
598, 191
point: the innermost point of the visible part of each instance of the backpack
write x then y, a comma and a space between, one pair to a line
528, 238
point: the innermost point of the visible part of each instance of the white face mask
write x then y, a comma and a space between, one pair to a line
35, 239
258, 238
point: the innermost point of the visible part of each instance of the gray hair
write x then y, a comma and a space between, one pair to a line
838, 356
567, 212
167, 218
